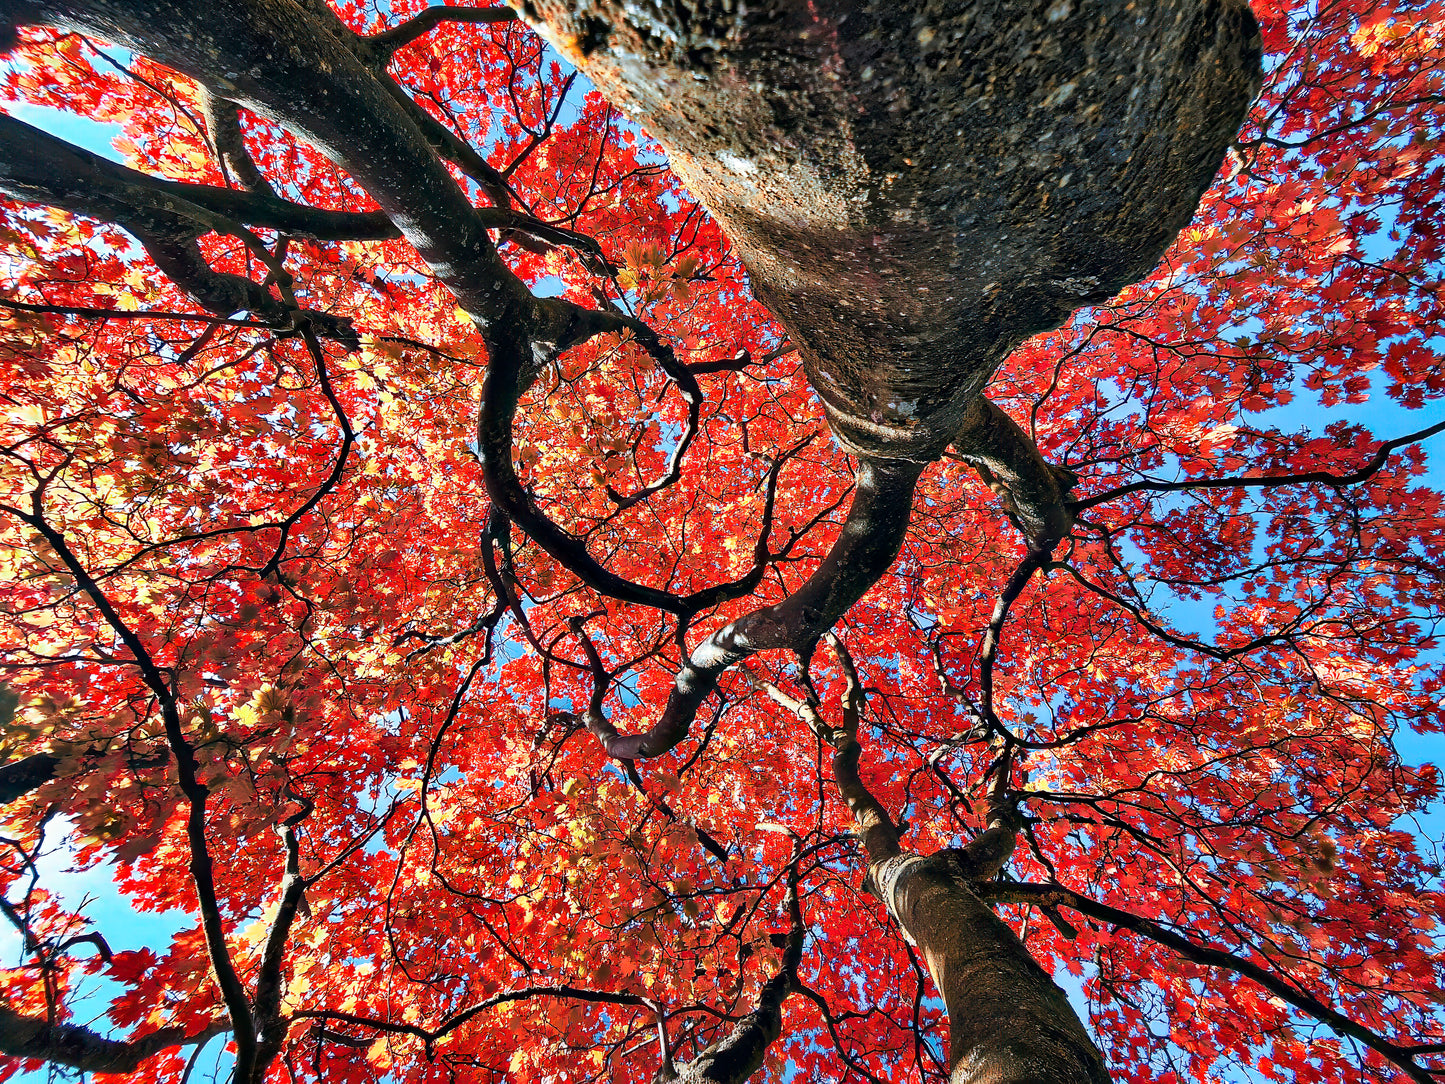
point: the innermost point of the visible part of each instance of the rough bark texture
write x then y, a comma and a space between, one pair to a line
917, 187
1008, 1022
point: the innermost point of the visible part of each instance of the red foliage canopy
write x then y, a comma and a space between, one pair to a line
278, 663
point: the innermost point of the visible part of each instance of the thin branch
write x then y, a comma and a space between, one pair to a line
126, 314
456, 1020
348, 436
201, 866
1317, 477
691, 393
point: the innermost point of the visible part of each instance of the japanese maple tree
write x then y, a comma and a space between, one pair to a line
536, 615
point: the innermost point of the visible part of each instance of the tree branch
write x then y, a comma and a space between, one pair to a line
223, 122
1058, 896
1031, 491
39, 168
19, 777
202, 867
83, 1049
864, 550
1317, 477
403, 34
451, 1023
739, 1054
93, 313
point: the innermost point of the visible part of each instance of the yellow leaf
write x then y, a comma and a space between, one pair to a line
379, 1055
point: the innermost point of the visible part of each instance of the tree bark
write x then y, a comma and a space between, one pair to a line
740, 1053
917, 187
1008, 1021
80, 1048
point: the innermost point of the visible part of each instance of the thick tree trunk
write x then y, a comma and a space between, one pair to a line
1008, 1022
918, 186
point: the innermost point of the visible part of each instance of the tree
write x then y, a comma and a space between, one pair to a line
420, 528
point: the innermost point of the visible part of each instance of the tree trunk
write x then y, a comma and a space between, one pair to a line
1008, 1022
916, 187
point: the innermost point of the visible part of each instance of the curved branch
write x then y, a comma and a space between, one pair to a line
298, 65
348, 440
869, 541
228, 142
1031, 491
691, 392
167, 218
988, 652
456, 1020
503, 385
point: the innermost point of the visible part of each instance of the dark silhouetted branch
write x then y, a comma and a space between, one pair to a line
1285, 989
1317, 477
403, 34
80, 1048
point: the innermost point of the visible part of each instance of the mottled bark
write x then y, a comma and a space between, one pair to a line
916, 187
37, 167
300, 67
